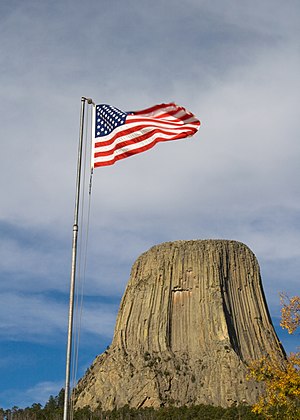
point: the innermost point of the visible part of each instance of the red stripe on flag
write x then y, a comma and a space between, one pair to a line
136, 129
142, 138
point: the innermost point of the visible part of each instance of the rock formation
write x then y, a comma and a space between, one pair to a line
192, 316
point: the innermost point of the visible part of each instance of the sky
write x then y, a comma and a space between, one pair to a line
234, 64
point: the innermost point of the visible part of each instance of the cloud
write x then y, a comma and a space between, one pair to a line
40, 318
39, 393
41, 195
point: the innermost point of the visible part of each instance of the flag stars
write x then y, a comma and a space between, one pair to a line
108, 118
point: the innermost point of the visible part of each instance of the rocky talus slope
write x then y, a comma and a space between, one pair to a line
192, 316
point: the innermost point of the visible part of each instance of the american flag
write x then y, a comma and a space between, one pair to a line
119, 134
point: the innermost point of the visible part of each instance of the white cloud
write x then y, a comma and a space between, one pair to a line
39, 393
39, 318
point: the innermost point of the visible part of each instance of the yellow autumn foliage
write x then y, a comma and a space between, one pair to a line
290, 312
281, 399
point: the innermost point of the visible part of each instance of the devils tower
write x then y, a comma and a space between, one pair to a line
192, 317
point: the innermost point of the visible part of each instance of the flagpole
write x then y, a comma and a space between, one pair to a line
74, 257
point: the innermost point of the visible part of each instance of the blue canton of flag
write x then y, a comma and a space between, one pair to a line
107, 119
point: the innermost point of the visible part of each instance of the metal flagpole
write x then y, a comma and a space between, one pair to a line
74, 255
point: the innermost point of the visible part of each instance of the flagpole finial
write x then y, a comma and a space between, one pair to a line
89, 100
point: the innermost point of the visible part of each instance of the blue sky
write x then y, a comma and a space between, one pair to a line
234, 64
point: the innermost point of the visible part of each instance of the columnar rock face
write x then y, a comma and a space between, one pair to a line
192, 316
